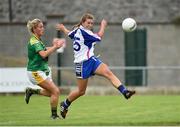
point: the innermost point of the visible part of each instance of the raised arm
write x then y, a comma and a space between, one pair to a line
62, 28
102, 27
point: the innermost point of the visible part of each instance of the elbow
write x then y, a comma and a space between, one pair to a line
100, 35
43, 54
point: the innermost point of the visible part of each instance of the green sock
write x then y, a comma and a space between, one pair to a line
35, 91
54, 111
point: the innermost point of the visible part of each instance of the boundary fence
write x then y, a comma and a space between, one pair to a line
143, 68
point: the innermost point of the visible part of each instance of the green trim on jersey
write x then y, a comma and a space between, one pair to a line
35, 61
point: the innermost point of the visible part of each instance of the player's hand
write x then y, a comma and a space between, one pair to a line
58, 42
60, 27
104, 23
61, 42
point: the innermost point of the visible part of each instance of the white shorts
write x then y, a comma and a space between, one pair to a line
36, 77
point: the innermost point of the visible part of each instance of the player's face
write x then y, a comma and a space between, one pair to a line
88, 24
39, 30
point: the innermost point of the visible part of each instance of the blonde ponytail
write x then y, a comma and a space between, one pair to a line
31, 24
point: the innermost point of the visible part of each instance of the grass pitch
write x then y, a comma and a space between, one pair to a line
145, 110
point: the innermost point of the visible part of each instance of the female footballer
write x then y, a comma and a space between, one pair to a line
38, 71
86, 64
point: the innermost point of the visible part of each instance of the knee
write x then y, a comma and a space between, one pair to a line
56, 91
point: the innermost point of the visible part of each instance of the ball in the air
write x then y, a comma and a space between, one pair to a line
129, 25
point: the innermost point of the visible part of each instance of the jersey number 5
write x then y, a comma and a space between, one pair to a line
76, 46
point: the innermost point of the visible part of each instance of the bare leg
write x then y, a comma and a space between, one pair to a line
104, 71
45, 93
50, 89
30, 91
82, 85
80, 91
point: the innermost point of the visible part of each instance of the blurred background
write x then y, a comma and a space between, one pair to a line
147, 60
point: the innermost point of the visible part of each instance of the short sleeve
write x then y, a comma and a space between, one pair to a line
90, 36
72, 33
38, 47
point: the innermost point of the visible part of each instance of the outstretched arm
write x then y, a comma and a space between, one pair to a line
102, 27
57, 43
62, 28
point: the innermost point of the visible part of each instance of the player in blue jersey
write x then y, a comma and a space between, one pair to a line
86, 64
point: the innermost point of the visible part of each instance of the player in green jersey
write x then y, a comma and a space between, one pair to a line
38, 70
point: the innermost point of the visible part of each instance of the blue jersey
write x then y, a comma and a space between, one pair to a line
84, 41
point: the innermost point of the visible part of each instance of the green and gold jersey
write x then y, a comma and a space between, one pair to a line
35, 61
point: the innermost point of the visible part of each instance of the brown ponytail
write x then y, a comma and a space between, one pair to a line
83, 19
